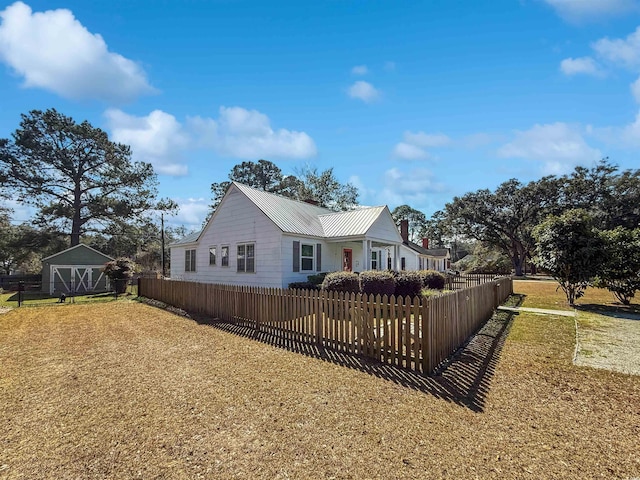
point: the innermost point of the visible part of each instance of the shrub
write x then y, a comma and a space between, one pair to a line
119, 272
303, 285
432, 280
408, 284
341, 282
317, 279
428, 292
377, 283
120, 269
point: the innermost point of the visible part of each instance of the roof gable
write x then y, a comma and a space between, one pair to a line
80, 246
301, 218
350, 223
290, 216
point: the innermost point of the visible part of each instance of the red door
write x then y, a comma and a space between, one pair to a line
347, 259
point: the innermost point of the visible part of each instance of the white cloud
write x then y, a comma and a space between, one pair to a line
427, 140
582, 10
248, 134
620, 51
414, 145
157, 138
582, 65
54, 51
192, 212
630, 134
558, 146
635, 89
406, 151
408, 187
360, 70
364, 91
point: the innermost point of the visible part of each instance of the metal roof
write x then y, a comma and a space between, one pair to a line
301, 218
431, 252
191, 238
350, 223
291, 216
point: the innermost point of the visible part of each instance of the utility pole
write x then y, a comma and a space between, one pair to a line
162, 243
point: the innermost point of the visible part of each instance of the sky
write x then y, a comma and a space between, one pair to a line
412, 102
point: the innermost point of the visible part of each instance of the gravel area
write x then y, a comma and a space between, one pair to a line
611, 342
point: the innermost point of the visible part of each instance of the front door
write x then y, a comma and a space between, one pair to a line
347, 259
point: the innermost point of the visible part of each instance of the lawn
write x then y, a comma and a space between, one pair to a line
125, 390
546, 294
31, 298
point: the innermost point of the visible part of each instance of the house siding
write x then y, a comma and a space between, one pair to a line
236, 222
384, 228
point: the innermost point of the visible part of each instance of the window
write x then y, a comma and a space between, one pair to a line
190, 261
375, 260
224, 256
306, 257
389, 262
403, 263
246, 257
212, 255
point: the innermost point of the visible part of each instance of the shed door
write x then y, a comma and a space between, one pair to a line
75, 278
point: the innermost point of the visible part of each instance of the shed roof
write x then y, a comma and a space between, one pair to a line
75, 247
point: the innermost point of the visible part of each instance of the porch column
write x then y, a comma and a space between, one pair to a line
366, 255
396, 257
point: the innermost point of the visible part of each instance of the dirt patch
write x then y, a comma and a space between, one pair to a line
610, 341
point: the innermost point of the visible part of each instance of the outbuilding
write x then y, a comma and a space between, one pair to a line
75, 270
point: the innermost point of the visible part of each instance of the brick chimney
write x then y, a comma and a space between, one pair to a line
404, 230
425, 243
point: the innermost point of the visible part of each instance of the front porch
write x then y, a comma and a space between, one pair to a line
364, 254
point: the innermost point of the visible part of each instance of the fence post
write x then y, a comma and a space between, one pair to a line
495, 295
20, 290
139, 278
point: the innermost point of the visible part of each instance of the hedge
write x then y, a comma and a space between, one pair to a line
432, 280
408, 284
377, 282
341, 282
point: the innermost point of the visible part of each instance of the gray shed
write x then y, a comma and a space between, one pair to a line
75, 270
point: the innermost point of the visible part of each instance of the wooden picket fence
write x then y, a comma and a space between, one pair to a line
415, 334
467, 280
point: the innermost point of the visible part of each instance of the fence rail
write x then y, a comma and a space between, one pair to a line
415, 334
467, 280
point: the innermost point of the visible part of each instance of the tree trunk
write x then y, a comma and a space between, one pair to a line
517, 261
76, 221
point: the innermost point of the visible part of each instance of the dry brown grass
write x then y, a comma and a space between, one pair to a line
125, 390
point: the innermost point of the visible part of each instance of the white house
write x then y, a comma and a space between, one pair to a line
262, 239
258, 238
421, 257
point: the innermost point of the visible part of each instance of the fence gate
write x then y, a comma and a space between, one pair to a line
75, 278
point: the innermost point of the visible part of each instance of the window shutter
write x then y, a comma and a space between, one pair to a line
318, 257
296, 256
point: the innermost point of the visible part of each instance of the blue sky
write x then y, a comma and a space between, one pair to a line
413, 102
